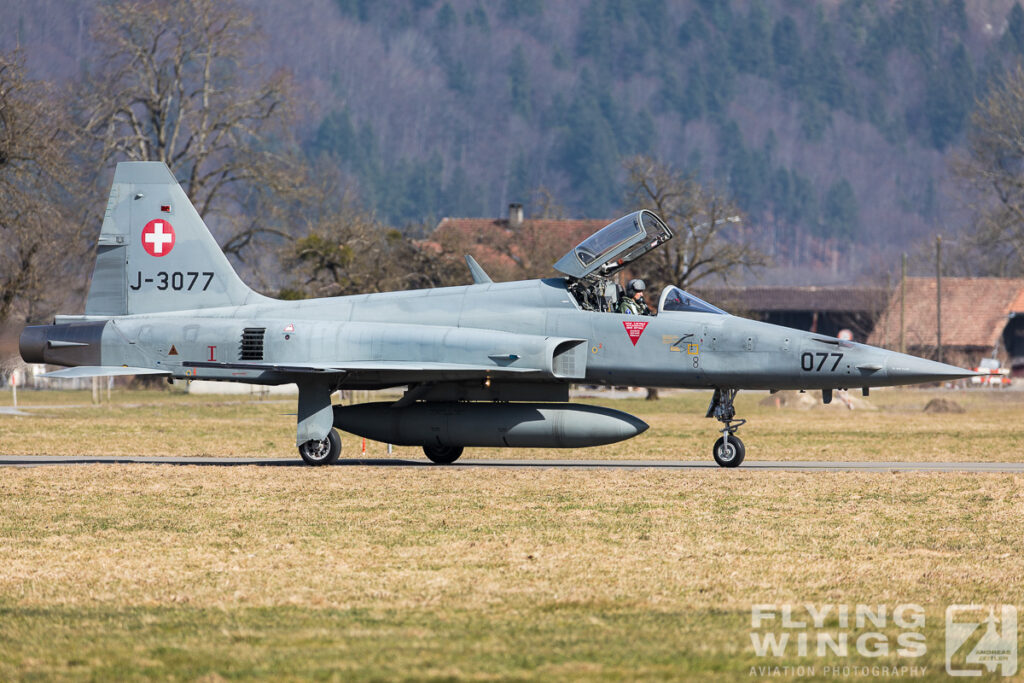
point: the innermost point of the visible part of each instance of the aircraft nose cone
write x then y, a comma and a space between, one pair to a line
913, 370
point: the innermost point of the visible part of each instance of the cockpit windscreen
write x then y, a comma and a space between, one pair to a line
675, 299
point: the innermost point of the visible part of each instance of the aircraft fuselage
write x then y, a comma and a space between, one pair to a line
482, 323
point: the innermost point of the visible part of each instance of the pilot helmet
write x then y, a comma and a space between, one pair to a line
636, 285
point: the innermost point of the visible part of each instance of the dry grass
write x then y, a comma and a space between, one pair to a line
114, 572
185, 572
163, 423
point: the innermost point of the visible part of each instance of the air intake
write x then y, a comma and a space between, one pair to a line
569, 359
252, 343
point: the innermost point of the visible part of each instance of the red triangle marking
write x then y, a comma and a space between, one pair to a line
634, 328
173, 351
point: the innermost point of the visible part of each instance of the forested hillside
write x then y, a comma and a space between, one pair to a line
829, 122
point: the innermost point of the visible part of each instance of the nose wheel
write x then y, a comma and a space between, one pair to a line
728, 451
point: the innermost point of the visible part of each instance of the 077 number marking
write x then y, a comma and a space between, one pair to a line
177, 280
807, 361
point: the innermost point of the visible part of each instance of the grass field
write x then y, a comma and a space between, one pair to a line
190, 572
155, 423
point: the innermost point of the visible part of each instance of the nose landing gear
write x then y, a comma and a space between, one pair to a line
728, 451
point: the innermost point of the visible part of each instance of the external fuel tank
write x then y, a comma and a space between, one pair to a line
522, 425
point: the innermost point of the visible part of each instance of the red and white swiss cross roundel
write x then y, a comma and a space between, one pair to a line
158, 238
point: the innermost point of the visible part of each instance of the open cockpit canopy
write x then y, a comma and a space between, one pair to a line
615, 246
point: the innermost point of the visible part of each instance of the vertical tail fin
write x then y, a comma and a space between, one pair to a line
155, 252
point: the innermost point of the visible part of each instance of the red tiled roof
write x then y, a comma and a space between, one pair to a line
1018, 304
974, 312
494, 244
573, 230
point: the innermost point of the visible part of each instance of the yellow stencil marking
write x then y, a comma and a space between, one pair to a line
671, 340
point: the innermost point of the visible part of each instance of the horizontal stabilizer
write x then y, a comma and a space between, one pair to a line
101, 371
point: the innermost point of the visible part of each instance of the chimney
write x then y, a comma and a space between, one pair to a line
515, 216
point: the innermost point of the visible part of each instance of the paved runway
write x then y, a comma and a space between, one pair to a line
793, 465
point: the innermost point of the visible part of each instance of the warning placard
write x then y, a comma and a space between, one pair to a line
634, 328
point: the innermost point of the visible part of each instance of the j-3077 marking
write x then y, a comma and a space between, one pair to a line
174, 280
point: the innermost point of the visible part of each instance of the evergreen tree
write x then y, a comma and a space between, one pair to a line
461, 196
336, 136
518, 9
587, 153
477, 16
752, 45
786, 48
519, 82
692, 29
693, 102
873, 57
841, 213
520, 179
948, 98
719, 13
357, 9
1013, 39
956, 17
446, 19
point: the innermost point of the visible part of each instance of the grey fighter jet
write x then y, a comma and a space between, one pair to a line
487, 364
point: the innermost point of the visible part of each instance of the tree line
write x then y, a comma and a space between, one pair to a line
714, 86
175, 84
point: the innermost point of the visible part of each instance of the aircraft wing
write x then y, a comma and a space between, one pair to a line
400, 354
101, 371
413, 368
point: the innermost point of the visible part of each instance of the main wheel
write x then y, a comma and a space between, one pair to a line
443, 455
322, 451
731, 455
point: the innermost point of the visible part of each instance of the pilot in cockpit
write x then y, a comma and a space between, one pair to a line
633, 302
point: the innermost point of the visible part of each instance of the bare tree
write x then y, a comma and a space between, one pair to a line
993, 179
544, 205
707, 241
356, 254
40, 198
341, 248
175, 86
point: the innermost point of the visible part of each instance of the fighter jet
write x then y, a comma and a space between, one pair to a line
487, 364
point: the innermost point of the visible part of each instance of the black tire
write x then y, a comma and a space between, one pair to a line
443, 455
323, 452
734, 457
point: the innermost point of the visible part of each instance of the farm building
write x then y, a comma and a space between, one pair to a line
827, 310
512, 248
981, 317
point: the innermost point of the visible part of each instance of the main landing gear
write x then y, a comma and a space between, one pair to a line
728, 450
322, 451
443, 455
